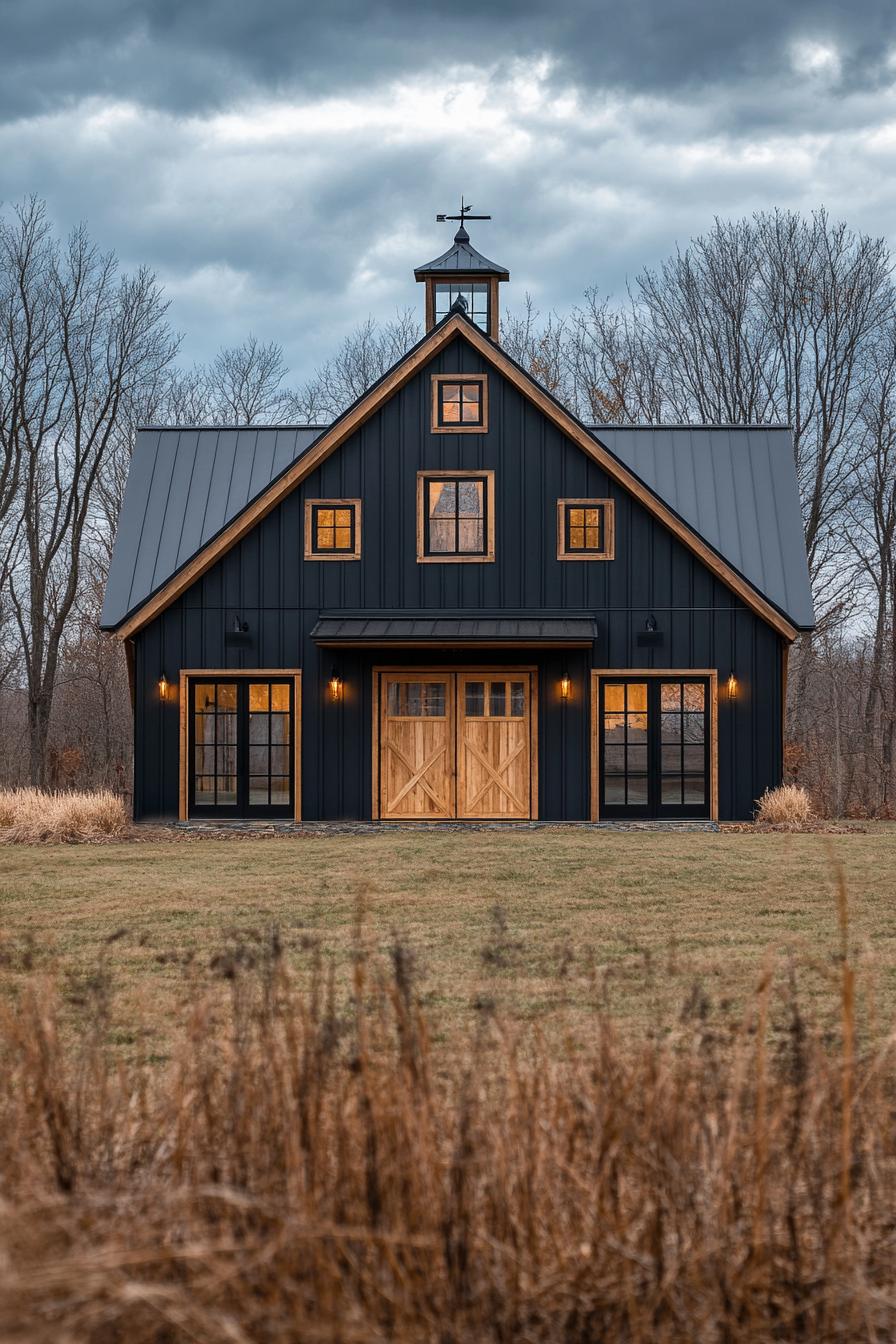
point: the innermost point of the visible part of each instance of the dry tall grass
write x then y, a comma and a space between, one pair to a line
30, 816
297, 1173
787, 805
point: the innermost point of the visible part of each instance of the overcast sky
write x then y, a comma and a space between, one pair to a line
280, 166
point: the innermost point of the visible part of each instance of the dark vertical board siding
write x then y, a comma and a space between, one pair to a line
265, 582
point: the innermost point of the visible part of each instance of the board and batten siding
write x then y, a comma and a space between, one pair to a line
265, 581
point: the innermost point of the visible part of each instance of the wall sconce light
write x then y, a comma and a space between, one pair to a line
335, 684
164, 687
239, 627
731, 686
565, 686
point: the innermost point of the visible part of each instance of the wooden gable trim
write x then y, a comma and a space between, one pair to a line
367, 405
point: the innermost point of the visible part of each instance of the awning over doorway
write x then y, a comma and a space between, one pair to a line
420, 632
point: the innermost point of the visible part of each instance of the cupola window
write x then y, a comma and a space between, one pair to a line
474, 293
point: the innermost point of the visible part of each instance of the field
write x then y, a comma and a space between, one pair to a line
541, 926
552, 1086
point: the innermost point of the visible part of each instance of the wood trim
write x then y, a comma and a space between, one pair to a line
785, 661
310, 552
609, 511
436, 380
488, 558
635, 673
494, 323
366, 406
402, 670
239, 673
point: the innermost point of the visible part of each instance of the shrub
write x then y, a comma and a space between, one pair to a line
28, 816
788, 805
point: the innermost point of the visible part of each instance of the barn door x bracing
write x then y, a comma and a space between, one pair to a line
456, 745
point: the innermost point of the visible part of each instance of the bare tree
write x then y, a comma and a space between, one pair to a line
363, 357
102, 336
244, 384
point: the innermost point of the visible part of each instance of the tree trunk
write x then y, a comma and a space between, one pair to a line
38, 732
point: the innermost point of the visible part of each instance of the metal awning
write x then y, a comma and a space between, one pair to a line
411, 632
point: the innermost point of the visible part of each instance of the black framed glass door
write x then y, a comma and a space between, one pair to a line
241, 753
655, 748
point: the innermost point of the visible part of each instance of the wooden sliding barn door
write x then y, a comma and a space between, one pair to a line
493, 746
417, 747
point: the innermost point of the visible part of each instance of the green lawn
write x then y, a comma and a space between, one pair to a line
544, 925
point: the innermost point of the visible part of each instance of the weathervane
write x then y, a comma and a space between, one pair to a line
464, 214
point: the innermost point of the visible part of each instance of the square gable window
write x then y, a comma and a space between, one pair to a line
459, 403
332, 529
455, 516
585, 529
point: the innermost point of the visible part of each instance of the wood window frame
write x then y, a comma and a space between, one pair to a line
310, 506
237, 674
481, 426
608, 510
403, 669
642, 674
448, 557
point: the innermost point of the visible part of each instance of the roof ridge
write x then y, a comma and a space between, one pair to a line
683, 424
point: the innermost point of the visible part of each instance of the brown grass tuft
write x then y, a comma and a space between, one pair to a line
787, 806
299, 1171
30, 816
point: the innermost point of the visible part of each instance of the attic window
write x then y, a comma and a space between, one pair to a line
455, 516
332, 529
585, 529
474, 294
459, 403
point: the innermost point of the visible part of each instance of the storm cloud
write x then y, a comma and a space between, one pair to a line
281, 168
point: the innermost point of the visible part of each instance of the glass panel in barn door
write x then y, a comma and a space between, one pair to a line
683, 745
215, 744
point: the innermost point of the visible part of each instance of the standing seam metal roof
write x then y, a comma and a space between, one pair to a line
736, 487
462, 256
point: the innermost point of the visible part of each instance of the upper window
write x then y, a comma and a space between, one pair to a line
459, 403
585, 529
455, 516
332, 529
474, 293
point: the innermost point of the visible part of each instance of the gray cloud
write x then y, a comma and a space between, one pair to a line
280, 170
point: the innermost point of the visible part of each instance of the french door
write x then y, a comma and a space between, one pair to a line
241, 746
455, 745
655, 748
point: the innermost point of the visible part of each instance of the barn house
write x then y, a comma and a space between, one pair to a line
458, 601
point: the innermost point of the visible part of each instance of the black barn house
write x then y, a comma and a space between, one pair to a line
457, 601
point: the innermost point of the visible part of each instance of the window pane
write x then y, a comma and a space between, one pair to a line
637, 727
614, 789
637, 759
671, 791
280, 697
576, 538
205, 698
636, 696
693, 727
442, 499
591, 517
227, 695
258, 727
577, 517
226, 760
637, 790
259, 695
343, 517
471, 411
670, 695
205, 790
441, 536
416, 699
204, 728
614, 727
498, 700
518, 699
227, 791
671, 727
694, 696
469, 499
280, 728
592, 538
226, 724
325, 539
471, 393
451, 391
614, 697
474, 699
205, 761
694, 790
614, 760
258, 790
280, 792
470, 536
258, 760
325, 517
280, 760
694, 760
672, 759
343, 538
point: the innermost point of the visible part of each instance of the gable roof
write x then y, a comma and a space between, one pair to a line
193, 488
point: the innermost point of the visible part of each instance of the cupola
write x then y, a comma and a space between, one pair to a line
462, 277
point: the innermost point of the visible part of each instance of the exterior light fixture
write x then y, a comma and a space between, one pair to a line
164, 687
335, 684
565, 685
731, 686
